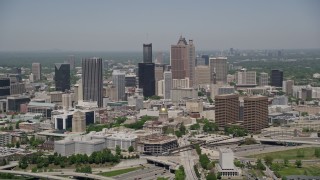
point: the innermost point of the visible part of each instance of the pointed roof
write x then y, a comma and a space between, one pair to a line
182, 41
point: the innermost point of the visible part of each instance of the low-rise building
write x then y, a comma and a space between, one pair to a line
156, 144
226, 163
5, 138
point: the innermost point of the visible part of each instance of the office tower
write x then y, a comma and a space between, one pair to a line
226, 109
245, 77
147, 53
14, 103
276, 78
92, 80
158, 74
218, 69
183, 60
4, 87
202, 75
200, 61
147, 79
17, 88
206, 59
263, 79
306, 94
130, 80
36, 71
167, 76
255, 113
62, 76
118, 80
72, 61
180, 83
79, 122
66, 101
287, 87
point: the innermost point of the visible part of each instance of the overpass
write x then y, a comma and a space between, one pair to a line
9, 166
286, 141
37, 175
171, 166
76, 174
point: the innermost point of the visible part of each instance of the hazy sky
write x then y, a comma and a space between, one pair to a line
117, 25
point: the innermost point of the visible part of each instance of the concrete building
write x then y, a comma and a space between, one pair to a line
226, 109
306, 94
255, 113
185, 93
287, 87
160, 88
36, 71
180, 83
123, 140
167, 77
5, 138
156, 144
183, 60
226, 90
92, 80
64, 121
202, 75
218, 69
55, 96
62, 76
17, 88
130, 80
263, 79
136, 101
280, 100
78, 122
276, 78
245, 77
194, 106
118, 80
14, 102
67, 101
44, 108
226, 163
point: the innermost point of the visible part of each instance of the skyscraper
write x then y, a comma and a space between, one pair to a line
255, 113
226, 109
62, 76
147, 53
36, 71
118, 80
72, 61
167, 76
276, 78
183, 60
245, 77
287, 87
79, 122
218, 69
263, 79
92, 81
147, 79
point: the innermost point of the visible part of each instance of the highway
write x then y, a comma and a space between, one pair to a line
71, 173
9, 166
37, 175
187, 160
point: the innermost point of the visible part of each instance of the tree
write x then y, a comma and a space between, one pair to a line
118, 150
17, 124
260, 165
34, 170
180, 174
131, 149
286, 162
211, 176
204, 160
18, 144
268, 160
219, 175
182, 129
317, 152
298, 163
10, 128
198, 149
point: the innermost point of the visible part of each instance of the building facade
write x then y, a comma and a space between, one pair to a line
36, 71
226, 109
147, 79
167, 77
218, 69
276, 78
147, 53
62, 76
263, 79
255, 113
118, 80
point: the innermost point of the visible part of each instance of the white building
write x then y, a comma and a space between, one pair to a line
226, 163
245, 77
178, 94
136, 100
263, 79
167, 77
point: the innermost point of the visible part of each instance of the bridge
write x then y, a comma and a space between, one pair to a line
286, 141
37, 175
9, 166
76, 174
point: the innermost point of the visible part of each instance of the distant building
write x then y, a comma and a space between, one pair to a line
62, 77
79, 122
200, 61
14, 103
206, 59
147, 79
202, 75
276, 78
218, 69
5, 138
287, 87
226, 165
130, 80
72, 61
17, 88
147, 53
255, 113
245, 77
156, 144
263, 79
67, 101
118, 80
44, 108
36, 71
306, 94
167, 76
180, 83
64, 121
92, 80
226, 90
185, 93
280, 100
226, 109
4, 87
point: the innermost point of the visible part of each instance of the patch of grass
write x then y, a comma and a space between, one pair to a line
309, 170
118, 172
289, 154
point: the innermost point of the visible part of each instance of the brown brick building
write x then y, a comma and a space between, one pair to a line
226, 109
255, 113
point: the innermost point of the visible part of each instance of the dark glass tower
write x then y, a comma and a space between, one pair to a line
4, 87
147, 53
276, 78
62, 76
147, 79
92, 81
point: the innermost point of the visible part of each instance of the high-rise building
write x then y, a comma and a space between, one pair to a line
287, 87
4, 87
147, 53
66, 101
255, 113
245, 77
306, 94
79, 122
36, 71
158, 74
147, 79
62, 76
218, 69
92, 80
167, 76
276, 78
226, 109
72, 61
263, 79
118, 80
183, 60
206, 59
202, 75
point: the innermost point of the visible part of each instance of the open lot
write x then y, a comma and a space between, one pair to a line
310, 170
118, 172
290, 154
